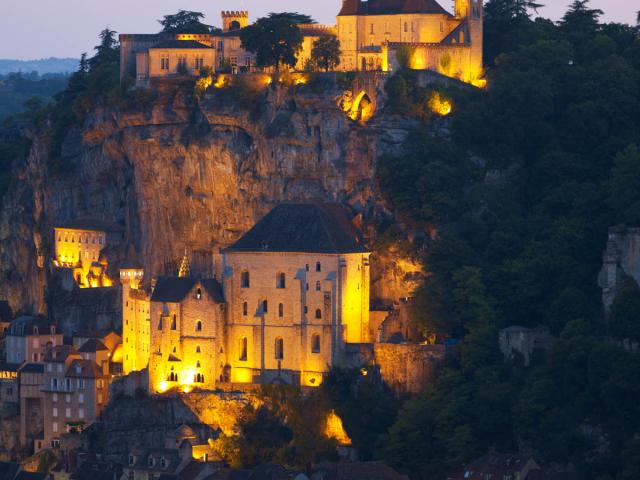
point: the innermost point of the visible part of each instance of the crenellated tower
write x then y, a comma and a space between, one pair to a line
234, 20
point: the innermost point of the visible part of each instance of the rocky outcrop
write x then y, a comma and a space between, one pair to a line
621, 259
184, 174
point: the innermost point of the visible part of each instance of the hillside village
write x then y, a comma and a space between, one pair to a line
147, 357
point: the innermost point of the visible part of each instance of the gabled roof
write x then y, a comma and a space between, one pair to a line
83, 369
391, 7
59, 354
91, 346
302, 228
178, 44
32, 368
175, 289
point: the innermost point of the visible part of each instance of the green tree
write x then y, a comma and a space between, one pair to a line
107, 51
624, 186
325, 52
276, 40
184, 22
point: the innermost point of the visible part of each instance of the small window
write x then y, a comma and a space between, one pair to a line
265, 306
306, 309
245, 309
132, 460
318, 267
245, 280
174, 323
406, 27
315, 343
198, 294
242, 349
280, 310
198, 349
306, 267
318, 314
198, 326
160, 323
318, 286
281, 281
198, 364
279, 349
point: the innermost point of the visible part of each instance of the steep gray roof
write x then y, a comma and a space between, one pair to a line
171, 44
175, 289
391, 7
302, 228
91, 346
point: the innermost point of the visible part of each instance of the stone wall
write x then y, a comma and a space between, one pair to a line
407, 367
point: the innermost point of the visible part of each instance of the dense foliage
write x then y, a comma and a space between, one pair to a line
325, 53
276, 39
184, 22
536, 170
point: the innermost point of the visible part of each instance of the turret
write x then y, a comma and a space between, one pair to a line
234, 20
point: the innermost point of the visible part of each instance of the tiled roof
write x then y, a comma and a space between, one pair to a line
175, 289
26, 325
178, 44
32, 368
9, 367
59, 354
391, 7
84, 369
303, 228
91, 346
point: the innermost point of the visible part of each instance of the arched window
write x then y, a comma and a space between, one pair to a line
198, 326
242, 349
198, 378
245, 309
198, 364
265, 306
318, 267
160, 323
315, 343
174, 323
280, 310
318, 286
281, 280
198, 294
174, 350
198, 349
318, 313
279, 349
245, 280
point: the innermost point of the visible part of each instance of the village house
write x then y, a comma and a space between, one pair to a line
31, 378
75, 389
29, 338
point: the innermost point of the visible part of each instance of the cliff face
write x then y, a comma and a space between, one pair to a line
180, 174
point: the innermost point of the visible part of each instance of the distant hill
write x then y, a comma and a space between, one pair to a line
42, 66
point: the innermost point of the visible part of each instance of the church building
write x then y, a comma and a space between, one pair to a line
287, 298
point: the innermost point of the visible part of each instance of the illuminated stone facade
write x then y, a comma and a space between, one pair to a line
292, 293
136, 333
374, 34
79, 246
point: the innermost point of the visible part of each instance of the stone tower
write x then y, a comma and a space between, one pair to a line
473, 12
234, 20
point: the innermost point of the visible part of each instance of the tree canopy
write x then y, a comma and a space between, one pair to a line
184, 21
325, 52
276, 39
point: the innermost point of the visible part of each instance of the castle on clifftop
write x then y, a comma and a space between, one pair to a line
374, 35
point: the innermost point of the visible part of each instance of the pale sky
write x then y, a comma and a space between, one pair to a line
31, 29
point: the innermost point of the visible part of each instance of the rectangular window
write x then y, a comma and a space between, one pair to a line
67, 398
234, 61
199, 63
54, 427
247, 61
164, 65
81, 413
245, 280
67, 413
243, 349
281, 281
81, 398
54, 412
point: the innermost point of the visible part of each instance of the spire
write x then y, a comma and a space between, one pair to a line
184, 266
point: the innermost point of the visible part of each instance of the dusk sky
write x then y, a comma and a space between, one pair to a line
32, 29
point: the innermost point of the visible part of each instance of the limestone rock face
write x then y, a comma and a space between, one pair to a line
196, 175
